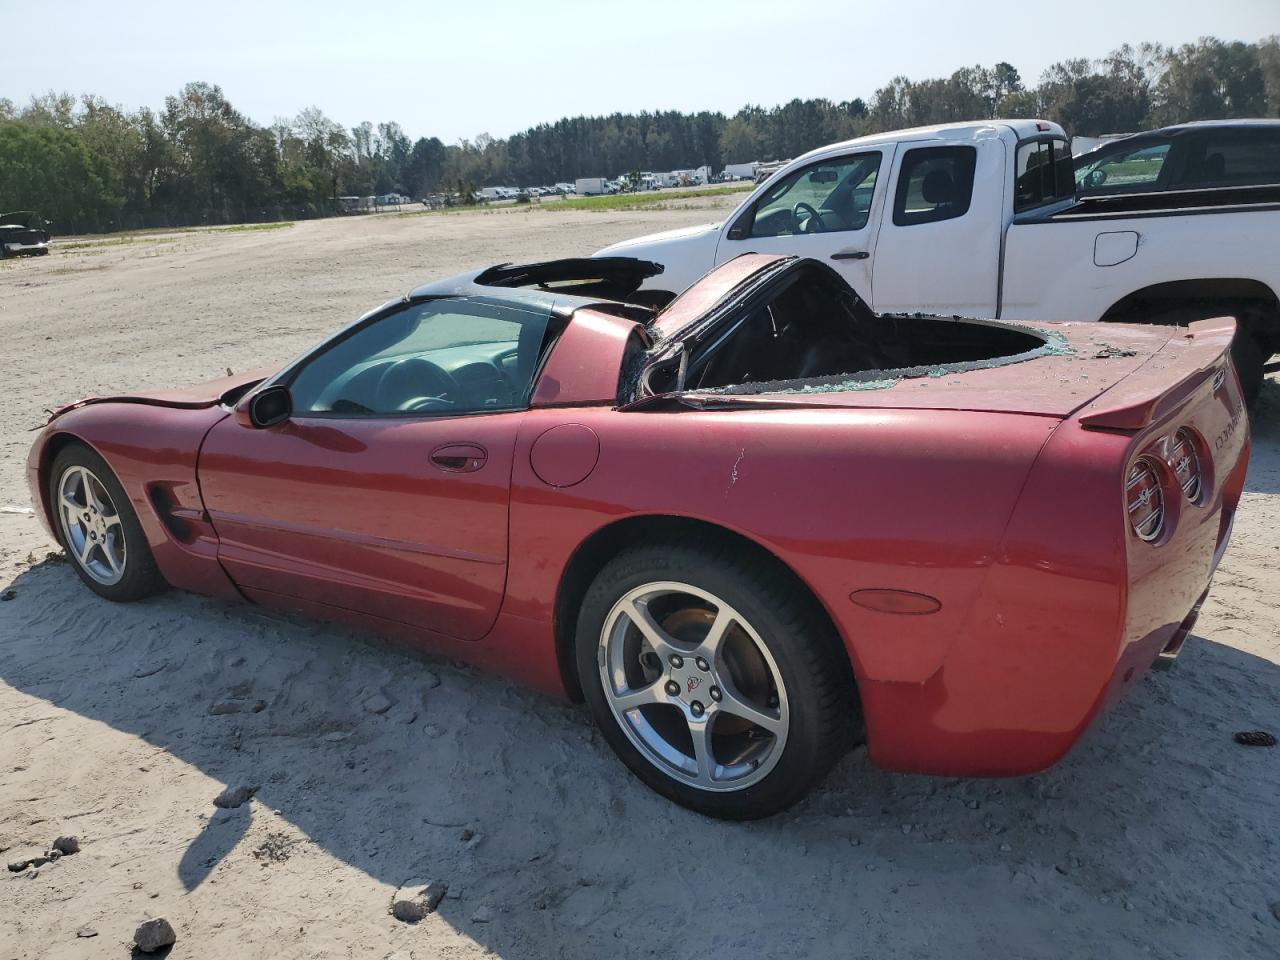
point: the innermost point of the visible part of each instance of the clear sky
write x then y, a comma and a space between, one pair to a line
456, 69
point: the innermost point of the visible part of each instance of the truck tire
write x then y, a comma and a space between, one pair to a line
1247, 354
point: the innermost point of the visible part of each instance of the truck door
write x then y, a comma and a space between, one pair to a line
939, 245
827, 210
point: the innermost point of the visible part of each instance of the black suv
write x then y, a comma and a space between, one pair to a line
1190, 156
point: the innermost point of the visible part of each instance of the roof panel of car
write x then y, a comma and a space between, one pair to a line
527, 283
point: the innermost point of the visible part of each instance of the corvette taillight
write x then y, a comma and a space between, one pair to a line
1185, 461
1144, 499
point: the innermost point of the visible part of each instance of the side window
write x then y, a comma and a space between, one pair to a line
447, 356
1137, 169
1233, 159
828, 197
1044, 173
935, 183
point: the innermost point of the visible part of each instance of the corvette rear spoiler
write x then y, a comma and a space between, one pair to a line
1177, 370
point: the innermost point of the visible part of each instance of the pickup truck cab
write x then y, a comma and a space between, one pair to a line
982, 220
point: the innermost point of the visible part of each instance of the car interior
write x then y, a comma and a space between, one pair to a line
826, 198
810, 326
450, 355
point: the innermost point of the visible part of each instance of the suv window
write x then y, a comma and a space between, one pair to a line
1136, 169
1043, 173
447, 356
830, 196
936, 183
1232, 158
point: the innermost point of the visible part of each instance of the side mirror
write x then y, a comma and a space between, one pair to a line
270, 406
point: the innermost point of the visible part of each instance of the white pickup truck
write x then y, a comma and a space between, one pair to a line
982, 220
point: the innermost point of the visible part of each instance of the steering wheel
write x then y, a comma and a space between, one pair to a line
415, 383
814, 217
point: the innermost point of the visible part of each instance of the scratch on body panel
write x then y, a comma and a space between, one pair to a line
733, 472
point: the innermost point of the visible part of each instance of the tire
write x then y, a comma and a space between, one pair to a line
779, 662
105, 544
1247, 355
1249, 360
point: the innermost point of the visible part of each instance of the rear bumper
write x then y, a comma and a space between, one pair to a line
1170, 652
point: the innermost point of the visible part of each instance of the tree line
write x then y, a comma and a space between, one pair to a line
88, 165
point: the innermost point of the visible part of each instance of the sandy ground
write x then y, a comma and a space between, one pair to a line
1156, 837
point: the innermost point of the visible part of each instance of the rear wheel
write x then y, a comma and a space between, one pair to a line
714, 678
98, 528
1247, 354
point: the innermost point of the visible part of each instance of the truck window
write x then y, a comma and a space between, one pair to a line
935, 183
1043, 173
830, 196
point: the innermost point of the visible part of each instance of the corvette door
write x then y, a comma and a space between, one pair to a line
827, 210
386, 490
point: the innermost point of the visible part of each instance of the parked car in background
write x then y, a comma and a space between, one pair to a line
982, 220
1213, 154
591, 186
23, 232
749, 527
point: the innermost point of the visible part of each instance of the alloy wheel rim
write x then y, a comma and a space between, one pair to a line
693, 686
91, 525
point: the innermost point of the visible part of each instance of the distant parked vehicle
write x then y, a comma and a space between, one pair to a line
591, 186
23, 232
1190, 156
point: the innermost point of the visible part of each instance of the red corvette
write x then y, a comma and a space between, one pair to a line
748, 525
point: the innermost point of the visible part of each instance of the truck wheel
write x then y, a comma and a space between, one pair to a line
714, 679
1247, 354
1249, 363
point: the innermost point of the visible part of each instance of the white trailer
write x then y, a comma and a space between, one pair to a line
591, 186
740, 171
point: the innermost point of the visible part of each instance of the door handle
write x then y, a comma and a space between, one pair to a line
459, 457
850, 255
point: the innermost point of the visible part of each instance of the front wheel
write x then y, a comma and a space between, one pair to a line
98, 528
714, 677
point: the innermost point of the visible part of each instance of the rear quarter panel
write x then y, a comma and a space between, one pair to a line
1076, 606
849, 499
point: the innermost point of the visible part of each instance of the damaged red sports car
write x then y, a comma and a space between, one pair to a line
749, 525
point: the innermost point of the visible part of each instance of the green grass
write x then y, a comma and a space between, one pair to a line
62, 246
643, 201
158, 234
247, 227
